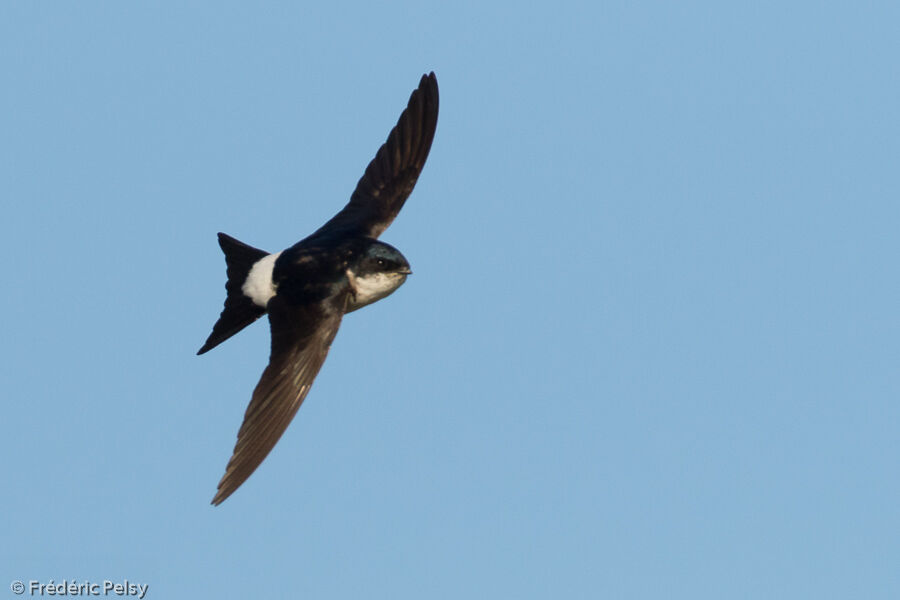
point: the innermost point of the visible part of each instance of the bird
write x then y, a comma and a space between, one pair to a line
306, 289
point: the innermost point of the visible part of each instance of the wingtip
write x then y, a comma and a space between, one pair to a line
434, 94
428, 83
220, 497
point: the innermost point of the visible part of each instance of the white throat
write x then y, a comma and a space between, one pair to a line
371, 288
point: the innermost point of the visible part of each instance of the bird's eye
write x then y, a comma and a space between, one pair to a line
380, 262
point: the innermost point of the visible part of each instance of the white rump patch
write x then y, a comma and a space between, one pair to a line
258, 286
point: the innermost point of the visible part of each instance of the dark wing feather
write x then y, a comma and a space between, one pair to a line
301, 337
390, 177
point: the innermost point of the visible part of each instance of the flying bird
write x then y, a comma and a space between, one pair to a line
307, 288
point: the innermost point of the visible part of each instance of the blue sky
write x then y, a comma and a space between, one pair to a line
650, 348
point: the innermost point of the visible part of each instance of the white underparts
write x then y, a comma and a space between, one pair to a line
258, 286
370, 288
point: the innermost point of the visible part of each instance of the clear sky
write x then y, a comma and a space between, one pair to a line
651, 348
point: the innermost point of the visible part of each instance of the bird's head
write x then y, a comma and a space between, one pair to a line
378, 270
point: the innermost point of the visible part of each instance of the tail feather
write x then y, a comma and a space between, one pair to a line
239, 310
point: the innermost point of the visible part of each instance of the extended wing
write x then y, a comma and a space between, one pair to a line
301, 337
390, 177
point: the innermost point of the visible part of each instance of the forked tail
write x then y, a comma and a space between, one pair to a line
239, 310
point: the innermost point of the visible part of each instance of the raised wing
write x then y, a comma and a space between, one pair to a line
301, 337
390, 177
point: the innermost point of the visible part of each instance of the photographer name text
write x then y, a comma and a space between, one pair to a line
81, 588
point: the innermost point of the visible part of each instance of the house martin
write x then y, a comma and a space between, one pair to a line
307, 288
